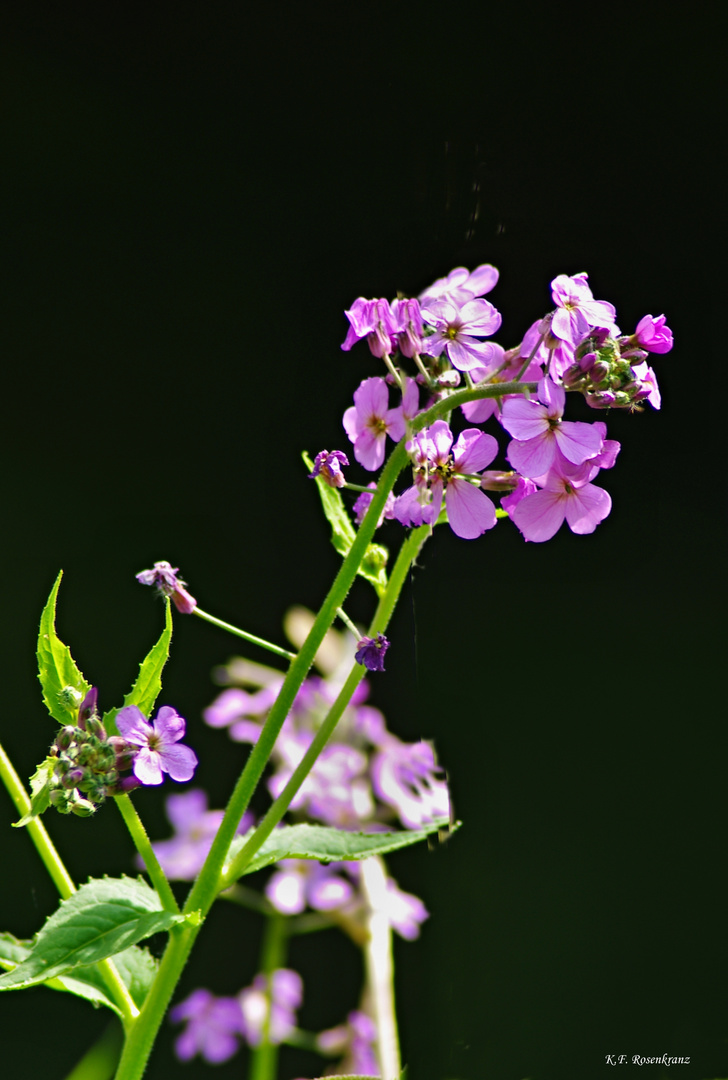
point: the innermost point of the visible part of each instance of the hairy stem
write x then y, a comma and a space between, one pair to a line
141, 842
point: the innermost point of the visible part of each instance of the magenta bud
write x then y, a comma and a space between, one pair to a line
599, 371
182, 600
125, 785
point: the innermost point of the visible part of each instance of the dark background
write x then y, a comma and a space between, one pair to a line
191, 197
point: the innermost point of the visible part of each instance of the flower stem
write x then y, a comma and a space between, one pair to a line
141, 842
245, 635
99, 1061
62, 881
348, 623
379, 967
407, 554
264, 1058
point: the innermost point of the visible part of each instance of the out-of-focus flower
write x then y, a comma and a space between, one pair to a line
298, 882
354, 1039
404, 776
182, 856
214, 1027
286, 995
158, 750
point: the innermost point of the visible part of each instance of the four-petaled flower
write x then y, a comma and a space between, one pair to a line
158, 750
370, 420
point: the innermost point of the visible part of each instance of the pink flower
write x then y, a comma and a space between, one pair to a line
540, 515
439, 472
371, 319
457, 329
370, 420
576, 309
653, 335
461, 285
541, 436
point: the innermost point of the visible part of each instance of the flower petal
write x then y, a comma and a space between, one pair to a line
469, 510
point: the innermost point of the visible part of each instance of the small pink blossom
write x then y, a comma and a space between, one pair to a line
541, 437
370, 420
576, 309
457, 330
540, 515
653, 335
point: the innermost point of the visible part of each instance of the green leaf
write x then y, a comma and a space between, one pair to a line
146, 689
328, 845
103, 918
64, 687
137, 968
343, 533
40, 787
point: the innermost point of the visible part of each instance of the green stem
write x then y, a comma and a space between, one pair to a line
264, 1058
245, 635
407, 554
348, 623
141, 842
62, 880
205, 889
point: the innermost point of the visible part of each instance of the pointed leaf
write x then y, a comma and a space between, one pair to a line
104, 917
40, 787
343, 533
328, 845
64, 687
137, 967
146, 689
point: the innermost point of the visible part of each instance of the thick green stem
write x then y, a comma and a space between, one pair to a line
264, 1058
99, 1062
141, 842
245, 635
62, 880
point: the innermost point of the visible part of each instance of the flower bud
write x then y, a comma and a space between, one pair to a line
73, 778
70, 697
65, 737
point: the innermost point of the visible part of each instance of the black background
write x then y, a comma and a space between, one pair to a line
192, 195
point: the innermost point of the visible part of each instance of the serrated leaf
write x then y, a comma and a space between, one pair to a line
325, 844
103, 918
40, 788
137, 968
56, 666
145, 690
343, 533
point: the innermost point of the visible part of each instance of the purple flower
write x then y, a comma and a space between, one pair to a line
214, 1027
461, 285
355, 1039
647, 377
335, 791
285, 997
407, 318
195, 827
652, 334
563, 495
371, 319
457, 329
576, 309
439, 472
403, 776
164, 577
362, 505
540, 435
297, 882
158, 752
329, 467
371, 652
370, 420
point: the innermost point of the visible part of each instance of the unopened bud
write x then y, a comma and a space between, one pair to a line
73, 778
65, 737
70, 697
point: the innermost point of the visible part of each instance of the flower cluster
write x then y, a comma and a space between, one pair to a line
86, 763
364, 780
576, 347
